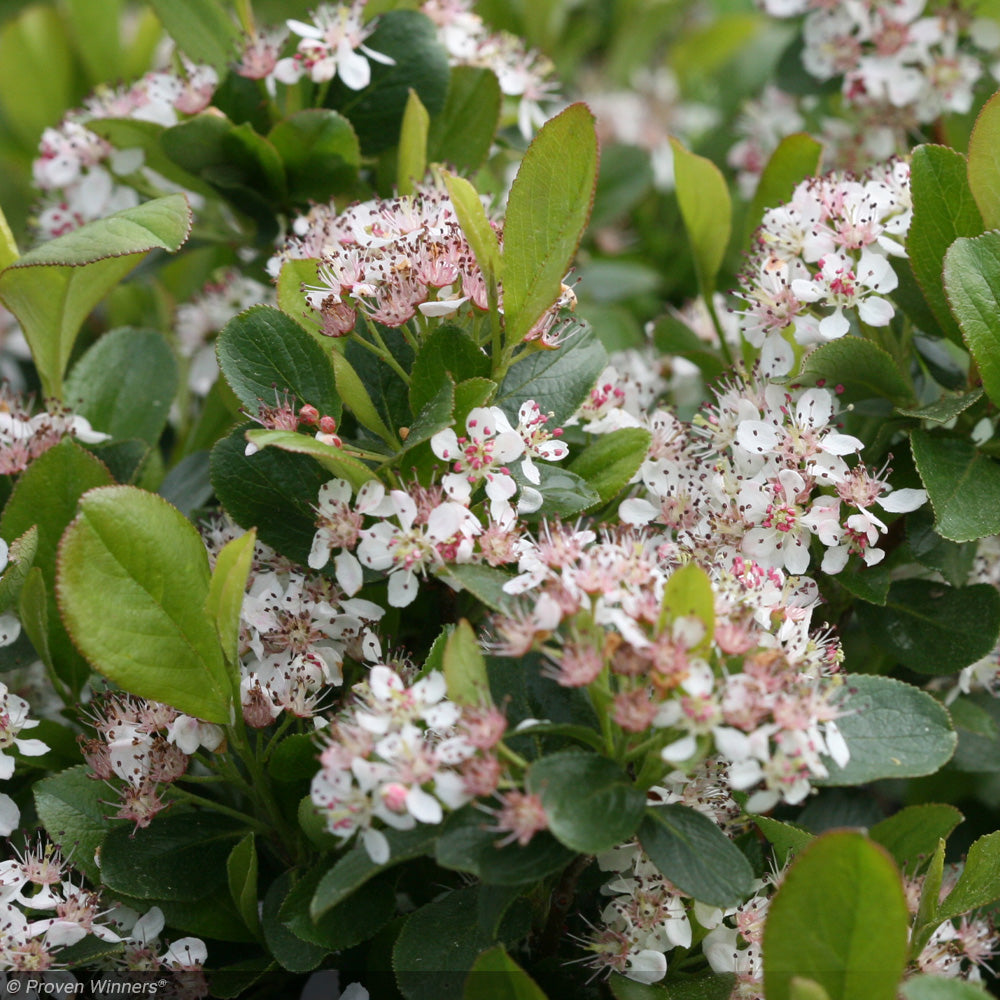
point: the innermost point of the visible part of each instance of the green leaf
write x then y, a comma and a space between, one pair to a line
71, 808
421, 65
411, 158
462, 134
892, 729
125, 384
962, 485
355, 868
95, 31
179, 856
953, 560
448, 352
465, 667
943, 210
320, 152
933, 628
226, 591
355, 395
273, 491
20, 559
941, 988
52, 288
200, 28
590, 803
241, 870
694, 854
796, 157
547, 212
979, 883
32, 609
707, 212
972, 285
294, 274
564, 493
471, 393
672, 336
476, 227
913, 833
840, 919
806, 989
688, 592
8, 245
288, 949
332, 459
262, 353
785, 838
46, 495
984, 162
949, 406
496, 976
435, 416
864, 369
438, 945
870, 583
485, 583
558, 381
609, 463
133, 579
710, 986
467, 845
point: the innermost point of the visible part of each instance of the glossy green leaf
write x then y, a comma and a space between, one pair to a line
71, 808
465, 667
611, 460
785, 838
448, 352
496, 976
941, 988
485, 583
564, 493
547, 212
436, 415
355, 395
20, 558
693, 853
864, 370
411, 157
796, 157
933, 628
558, 381
892, 729
953, 560
125, 384
962, 485
706, 208
590, 803
200, 28
52, 288
979, 883
972, 285
273, 491
476, 226
288, 949
241, 871
133, 579
179, 856
462, 134
840, 919
467, 844
333, 459
320, 152
943, 210
913, 833
226, 591
420, 64
984, 162
944, 409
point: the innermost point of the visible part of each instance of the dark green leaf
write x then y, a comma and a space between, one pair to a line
241, 870
933, 628
694, 854
979, 883
447, 352
610, 462
21, 557
320, 152
912, 834
200, 28
861, 367
590, 803
711, 986
840, 919
796, 158
953, 560
188, 485
288, 949
485, 583
547, 212
564, 493
335, 460
461, 135
672, 336
946, 408
892, 729
435, 416
785, 838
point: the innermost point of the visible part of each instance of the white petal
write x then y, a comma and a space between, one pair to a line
422, 806
376, 845
901, 501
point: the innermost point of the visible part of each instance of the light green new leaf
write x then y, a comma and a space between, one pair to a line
8, 245
53, 288
411, 162
689, 593
979, 883
226, 591
200, 28
706, 208
496, 976
984, 162
972, 284
839, 919
547, 212
132, 583
475, 225
796, 158
963, 486
941, 988
465, 667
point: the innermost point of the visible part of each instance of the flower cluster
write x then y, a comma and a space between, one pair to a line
823, 258
402, 754
13, 721
141, 748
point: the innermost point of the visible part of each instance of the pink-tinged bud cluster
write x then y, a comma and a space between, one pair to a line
141, 748
823, 259
401, 755
24, 435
